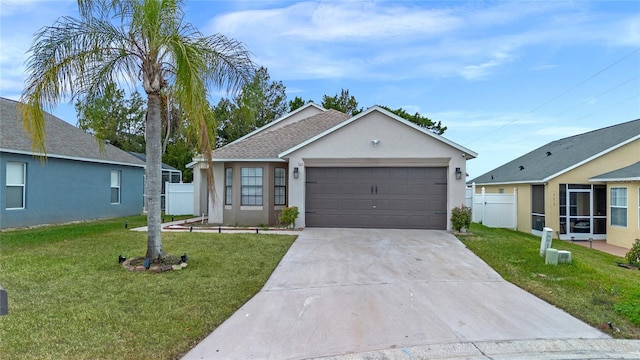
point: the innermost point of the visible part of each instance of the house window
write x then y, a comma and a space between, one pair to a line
618, 202
15, 179
115, 186
228, 182
251, 186
280, 190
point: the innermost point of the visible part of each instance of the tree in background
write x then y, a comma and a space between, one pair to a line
343, 102
297, 103
260, 102
422, 121
148, 43
348, 104
115, 118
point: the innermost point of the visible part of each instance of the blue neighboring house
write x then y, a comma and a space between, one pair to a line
79, 179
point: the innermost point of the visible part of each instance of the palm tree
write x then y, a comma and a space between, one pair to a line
145, 42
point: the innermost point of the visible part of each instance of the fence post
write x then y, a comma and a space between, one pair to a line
473, 200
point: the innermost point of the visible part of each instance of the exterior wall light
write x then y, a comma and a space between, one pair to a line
458, 173
375, 142
296, 172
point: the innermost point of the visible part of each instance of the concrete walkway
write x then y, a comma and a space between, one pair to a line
369, 294
601, 245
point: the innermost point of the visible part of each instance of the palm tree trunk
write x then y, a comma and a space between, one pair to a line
153, 181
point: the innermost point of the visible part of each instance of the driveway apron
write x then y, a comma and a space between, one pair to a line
340, 291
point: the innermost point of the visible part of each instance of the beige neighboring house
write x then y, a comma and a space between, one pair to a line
583, 187
374, 169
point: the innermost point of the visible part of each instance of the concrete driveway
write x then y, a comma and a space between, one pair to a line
341, 291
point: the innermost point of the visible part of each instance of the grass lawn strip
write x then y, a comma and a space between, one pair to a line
593, 288
70, 299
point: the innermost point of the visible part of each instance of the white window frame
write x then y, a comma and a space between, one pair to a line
228, 186
23, 185
117, 185
247, 182
282, 186
613, 204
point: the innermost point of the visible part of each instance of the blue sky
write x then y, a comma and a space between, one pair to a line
505, 77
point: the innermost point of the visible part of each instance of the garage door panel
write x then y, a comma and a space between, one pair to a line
377, 197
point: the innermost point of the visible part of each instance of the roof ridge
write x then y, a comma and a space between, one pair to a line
595, 130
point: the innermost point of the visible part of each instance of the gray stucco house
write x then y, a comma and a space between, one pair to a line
79, 179
374, 169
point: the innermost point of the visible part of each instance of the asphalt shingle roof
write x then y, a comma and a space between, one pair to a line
559, 155
61, 139
631, 172
267, 145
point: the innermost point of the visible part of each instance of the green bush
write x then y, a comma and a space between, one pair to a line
461, 218
289, 215
633, 256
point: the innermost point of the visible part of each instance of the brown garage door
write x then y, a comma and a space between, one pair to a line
407, 198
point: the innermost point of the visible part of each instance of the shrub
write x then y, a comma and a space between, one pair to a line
633, 256
461, 217
289, 215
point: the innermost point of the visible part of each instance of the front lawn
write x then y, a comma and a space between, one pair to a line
70, 299
593, 288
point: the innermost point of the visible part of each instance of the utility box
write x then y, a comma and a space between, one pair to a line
564, 257
551, 257
4, 303
545, 241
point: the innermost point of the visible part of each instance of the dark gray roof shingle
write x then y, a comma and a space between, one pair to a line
631, 172
61, 139
557, 156
267, 145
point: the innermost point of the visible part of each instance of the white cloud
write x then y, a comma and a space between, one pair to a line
388, 41
473, 72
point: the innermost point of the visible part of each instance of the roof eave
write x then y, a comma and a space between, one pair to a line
278, 120
66, 157
622, 179
249, 160
509, 182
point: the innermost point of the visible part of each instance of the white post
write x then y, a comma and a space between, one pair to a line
473, 200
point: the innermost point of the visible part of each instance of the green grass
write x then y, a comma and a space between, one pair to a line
70, 299
593, 288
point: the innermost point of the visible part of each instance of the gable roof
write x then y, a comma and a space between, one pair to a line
469, 154
62, 140
143, 157
561, 156
267, 145
629, 173
282, 119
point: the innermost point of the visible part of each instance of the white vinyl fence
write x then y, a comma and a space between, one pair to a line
493, 210
179, 198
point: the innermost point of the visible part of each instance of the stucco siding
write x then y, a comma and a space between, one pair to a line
619, 235
59, 191
397, 145
238, 214
616, 159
